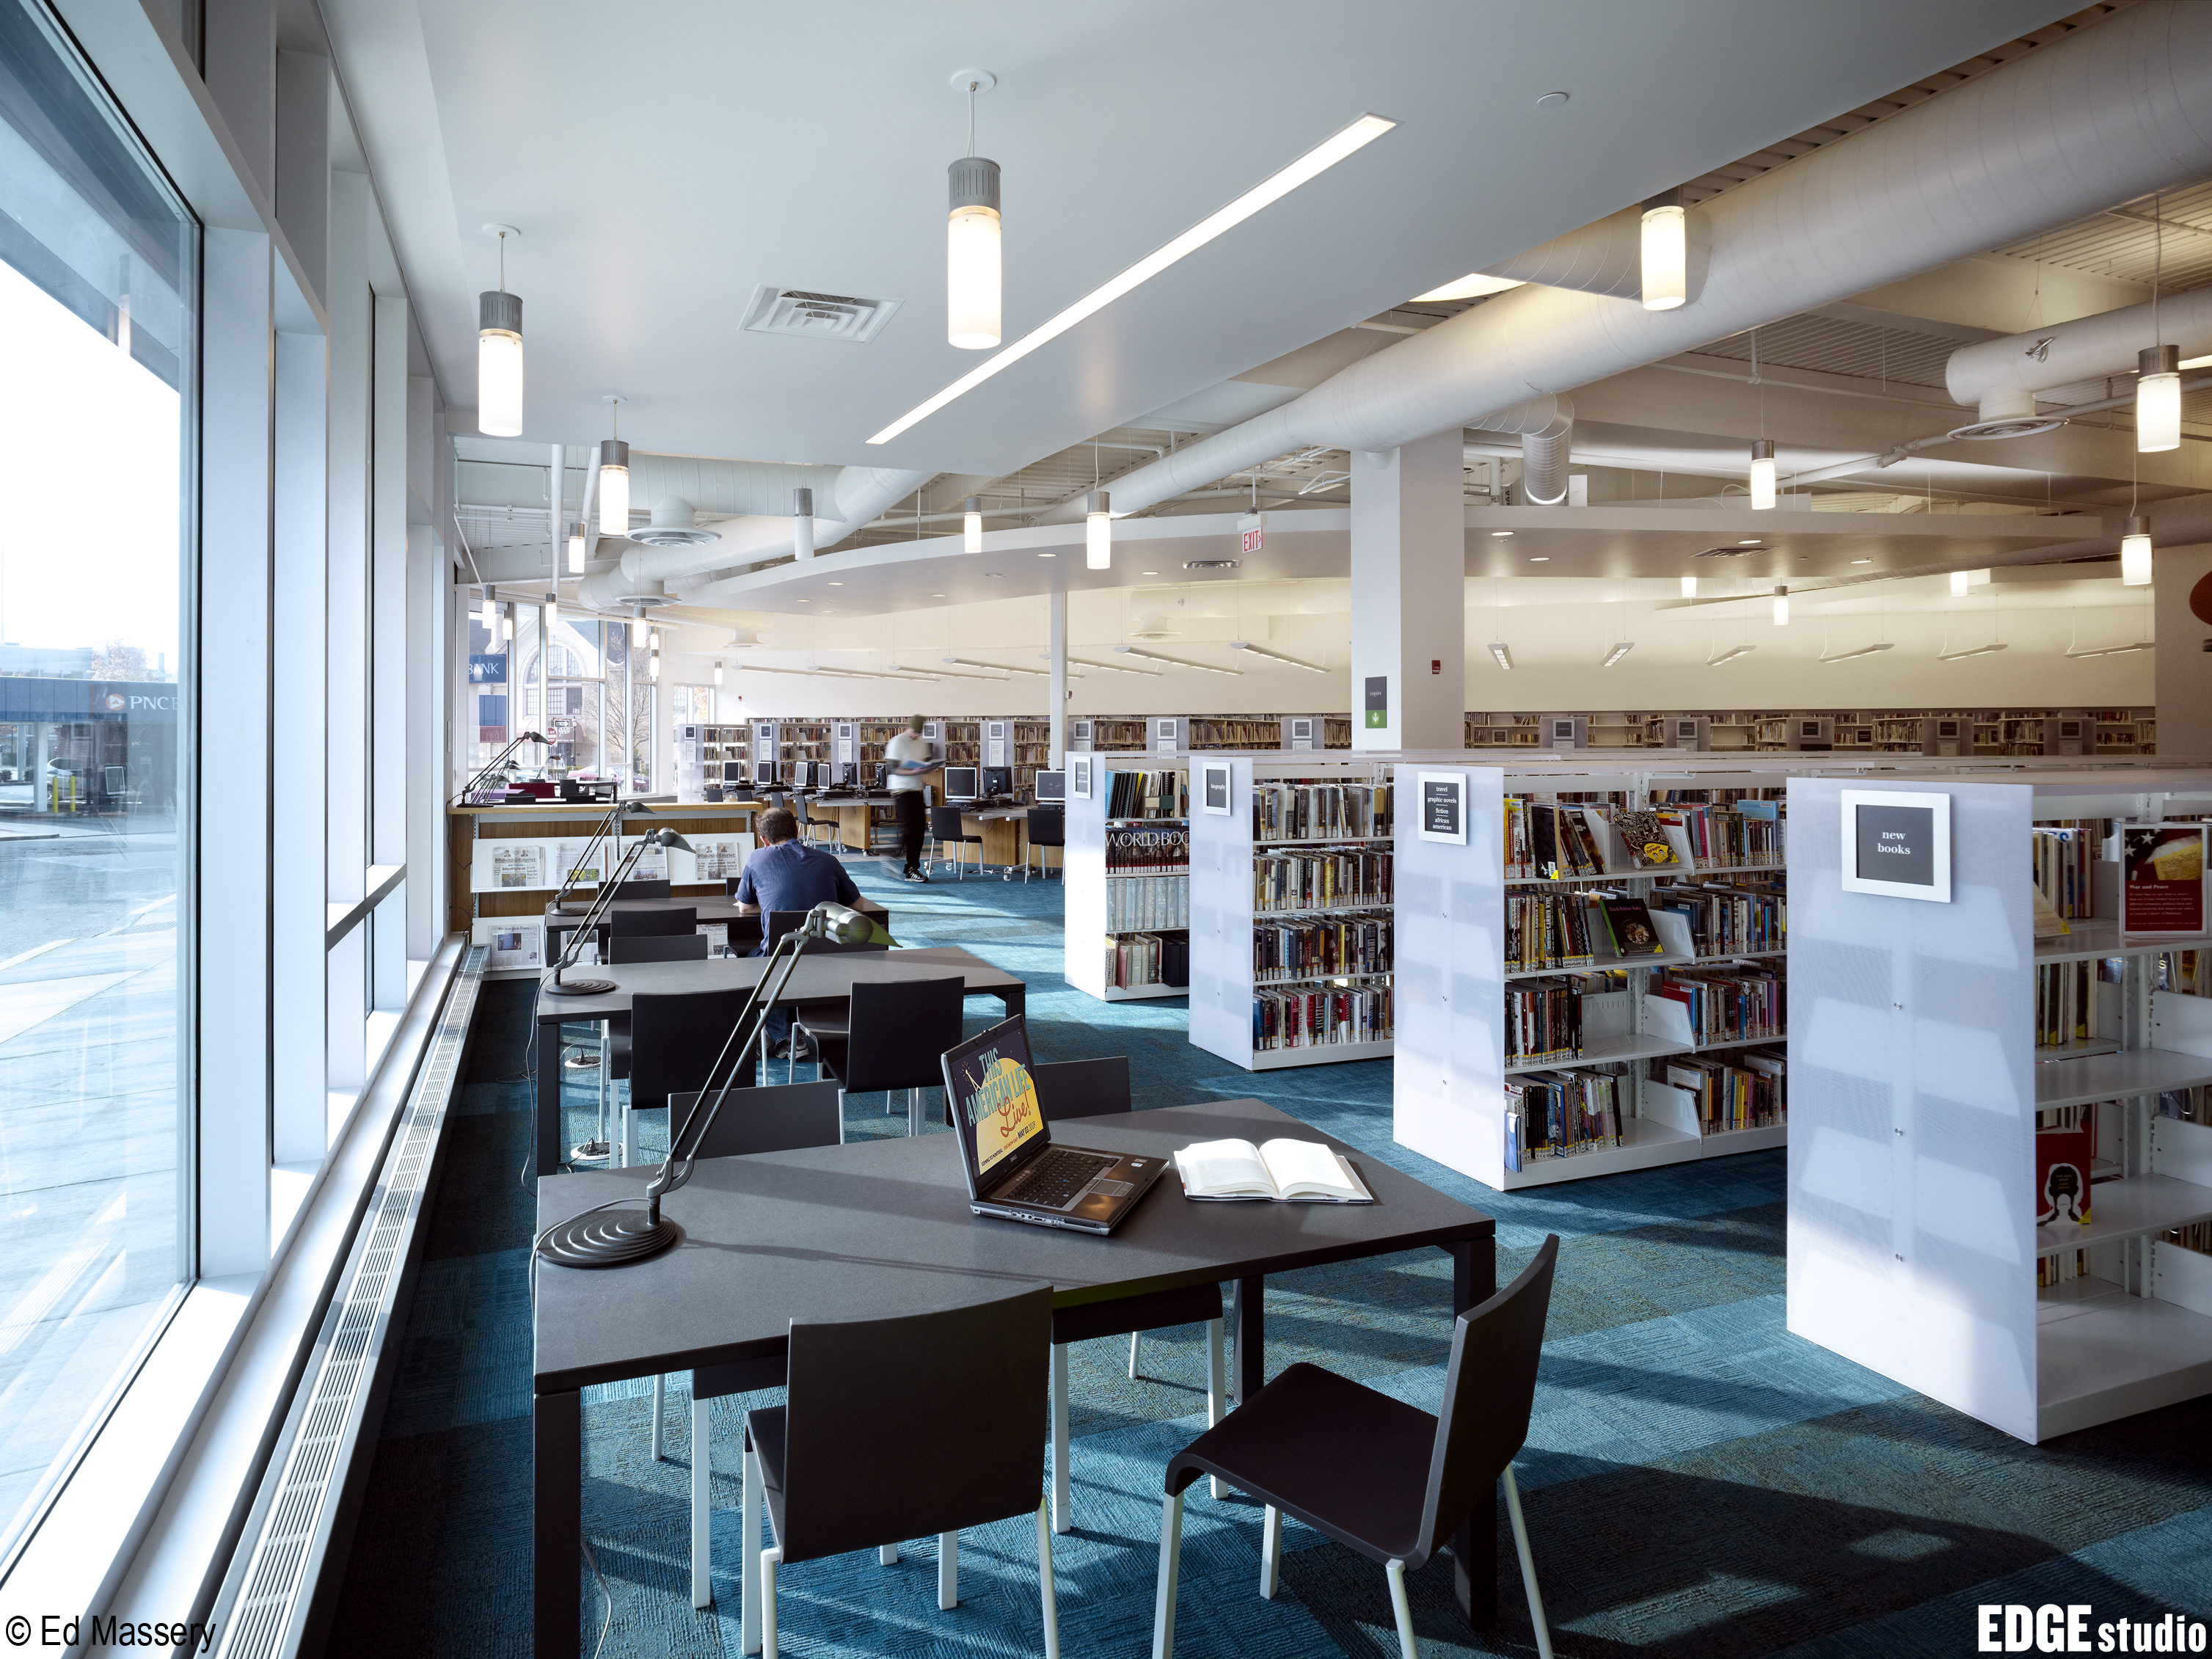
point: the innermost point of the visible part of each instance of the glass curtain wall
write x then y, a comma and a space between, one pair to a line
98, 262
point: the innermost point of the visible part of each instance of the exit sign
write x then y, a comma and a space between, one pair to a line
1251, 528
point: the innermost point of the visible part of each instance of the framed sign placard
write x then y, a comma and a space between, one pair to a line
2161, 878
1444, 807
1898, 844
1213, 787
1078, 776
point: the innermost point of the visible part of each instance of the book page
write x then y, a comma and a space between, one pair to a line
1307, 1169
1224, 1169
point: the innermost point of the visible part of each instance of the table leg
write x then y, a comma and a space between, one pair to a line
1250, 1313
1014, 999
557, 1475
1474, 1593
549, 1095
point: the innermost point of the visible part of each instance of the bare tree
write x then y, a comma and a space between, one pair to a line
117, 661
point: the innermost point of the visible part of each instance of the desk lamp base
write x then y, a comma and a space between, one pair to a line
579, 988
609, 1238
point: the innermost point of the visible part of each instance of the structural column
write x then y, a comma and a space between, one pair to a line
1058, 755
1408, 596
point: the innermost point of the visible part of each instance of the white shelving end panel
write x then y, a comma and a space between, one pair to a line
1221, 917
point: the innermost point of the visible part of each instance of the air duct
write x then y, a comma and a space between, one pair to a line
1544, 457
2113, 112
2003, 376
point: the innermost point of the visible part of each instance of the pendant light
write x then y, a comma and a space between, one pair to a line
971, 236
1098, 532
1961, 580
576, 547
1782, 607
971, 524
499, 352
614, 479
2134, 552
802, 524
1762, 474
1689, 587
1666, 252
552, 615
2158, 398
637, 624
717, 670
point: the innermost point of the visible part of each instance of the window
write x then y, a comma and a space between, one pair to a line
98, 260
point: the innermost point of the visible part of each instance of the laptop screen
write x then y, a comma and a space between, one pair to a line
994, 1104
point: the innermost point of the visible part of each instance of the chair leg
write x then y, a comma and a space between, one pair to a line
702, 1593
948, 1572
1216, 1383
1044, 1588
1271, 1552
841, 1108
1163, 1602
1408, 1648
1528, 1566
1061, 1519
659, 1404
887, 1555
767, 1560
1135, 1337
914, 1111
752, 1598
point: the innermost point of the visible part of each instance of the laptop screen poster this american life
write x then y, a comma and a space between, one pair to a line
1000, 1102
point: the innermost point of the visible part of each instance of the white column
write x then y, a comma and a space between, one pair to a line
1408, 595
2185, 653
1059, 648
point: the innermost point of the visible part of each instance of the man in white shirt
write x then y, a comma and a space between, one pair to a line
910, 766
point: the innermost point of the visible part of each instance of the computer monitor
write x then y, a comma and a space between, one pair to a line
733, 771
764, 771
998, 779
960, 783
1052, 786
881, 777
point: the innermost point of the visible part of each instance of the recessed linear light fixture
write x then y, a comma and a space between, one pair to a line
1620, 649
1472, 286
1864, 650
1959, 656
1309, 165
1730, 655
2116, 650
936, 673
1004, 668
1117, 668
1499, 534
1262, 651
1498, 649
1175, 662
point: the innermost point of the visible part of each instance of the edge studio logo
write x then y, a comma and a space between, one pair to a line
2011, 1628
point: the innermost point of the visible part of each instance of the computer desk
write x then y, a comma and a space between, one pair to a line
826, 978
882, 1227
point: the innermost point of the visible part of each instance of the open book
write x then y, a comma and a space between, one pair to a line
1300, 1171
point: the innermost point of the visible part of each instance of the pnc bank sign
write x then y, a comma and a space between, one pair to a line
128, 703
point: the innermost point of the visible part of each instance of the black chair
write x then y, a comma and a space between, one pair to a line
946, 828
808, 824
1047, 827
1095, 1088
674, 1037
895, 1038
1379, 1476
837, 1473
652, 924
656, 947
643, 889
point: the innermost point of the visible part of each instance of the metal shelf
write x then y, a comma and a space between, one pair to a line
2108, 1077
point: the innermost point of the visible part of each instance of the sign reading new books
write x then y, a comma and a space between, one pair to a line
2162, 879
1898, 844
1444, 807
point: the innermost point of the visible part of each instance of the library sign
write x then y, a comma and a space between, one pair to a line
1897, 843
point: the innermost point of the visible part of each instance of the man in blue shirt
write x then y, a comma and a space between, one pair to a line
784, 873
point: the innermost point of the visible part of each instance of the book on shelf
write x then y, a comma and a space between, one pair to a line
1138, 903
1745, 1090
1543, 1021
1739, 1004
2065, 854
1136, 960
1560, 1114
1315, 812
1357, 945
1629, 925
1317, 1017
1548, 930
2065, 1155
1282, 1171
1148, 852
1148, 795
1321, 879
2067, 1003
1725, 919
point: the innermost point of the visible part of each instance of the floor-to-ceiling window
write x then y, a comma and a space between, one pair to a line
98, 262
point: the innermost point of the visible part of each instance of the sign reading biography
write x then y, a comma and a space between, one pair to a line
1897, 843
1378, 701
1215, 786
1444, 807
2161, 878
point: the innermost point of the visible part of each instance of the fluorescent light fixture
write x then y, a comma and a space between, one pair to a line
1729, 655
1472, 286
1315, 162
2158, 398
1500, 534
2117, 650
1004, 668
1173, 662
1959, 656
1961, 582
944, 673
971, 524
1620, 649
2196, 362
1762, 474
1666, 252
1098, 531
1782, 607
1864, 650
1689, 587
576, 550
2135, 554
1262, 651
1118, 668
1499, 650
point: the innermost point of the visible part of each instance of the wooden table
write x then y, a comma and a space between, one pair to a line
882, 1226
816, 979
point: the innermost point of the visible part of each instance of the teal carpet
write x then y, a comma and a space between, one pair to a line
1699, 1482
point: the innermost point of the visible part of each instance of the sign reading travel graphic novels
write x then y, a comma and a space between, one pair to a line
1897, 843
2161, 877
1444, 807
1378, 701
1215, 786
1078, 776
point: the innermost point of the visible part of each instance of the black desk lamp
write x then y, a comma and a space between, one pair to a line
615, 1238
559, 987
494, 764
613, 821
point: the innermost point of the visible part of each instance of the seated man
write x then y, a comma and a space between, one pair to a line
784, 873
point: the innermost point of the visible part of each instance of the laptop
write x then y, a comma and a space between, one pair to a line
1014, 1167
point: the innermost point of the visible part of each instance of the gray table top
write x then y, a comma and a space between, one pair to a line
816, 979
710, 909
882, 1226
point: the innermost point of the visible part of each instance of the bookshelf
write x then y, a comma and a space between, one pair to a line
1126, 884
1919, 1079
1464, 1005
1263, 890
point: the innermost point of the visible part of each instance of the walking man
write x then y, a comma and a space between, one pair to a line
910, 766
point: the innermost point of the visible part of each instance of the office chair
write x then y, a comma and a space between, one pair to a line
656, 947
1379, 1476
837, 1474
1047, 827
895, 1038
808, 824
945, 829
652, 924
1096, 1088
643, 889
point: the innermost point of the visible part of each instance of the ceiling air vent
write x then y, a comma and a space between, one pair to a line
1209, 564
1728, 552
813, 316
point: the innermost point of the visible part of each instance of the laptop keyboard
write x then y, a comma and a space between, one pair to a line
1055, 1178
